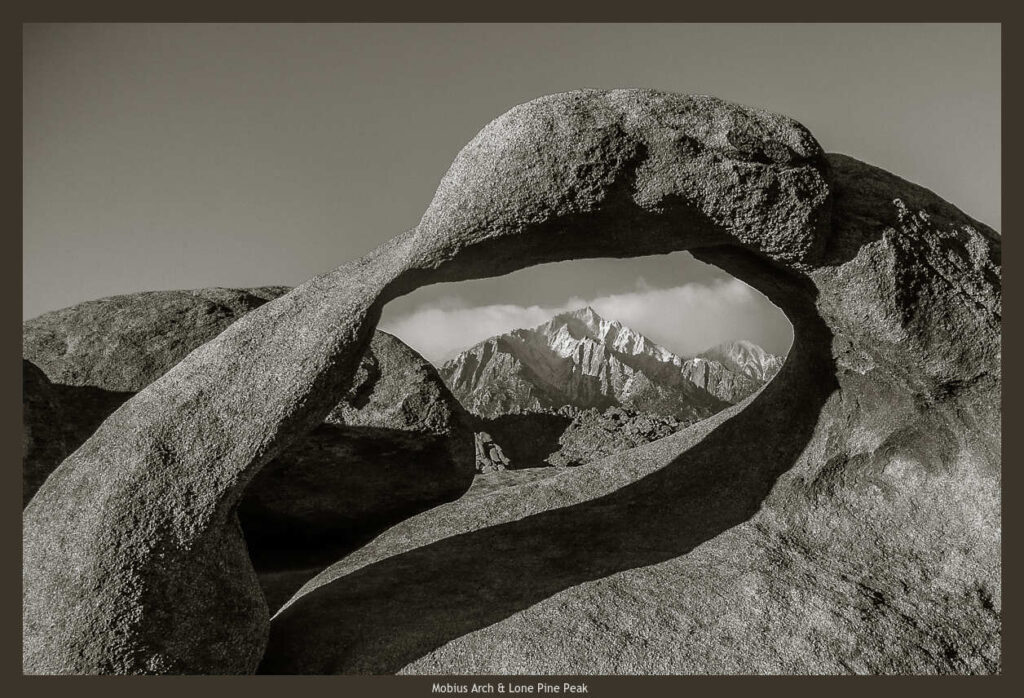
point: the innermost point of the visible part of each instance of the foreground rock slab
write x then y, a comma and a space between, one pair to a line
395, 444
879, 438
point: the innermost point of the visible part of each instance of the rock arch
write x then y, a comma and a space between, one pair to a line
133, 559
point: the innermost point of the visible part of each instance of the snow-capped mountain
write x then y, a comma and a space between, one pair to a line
583, 360
746, 358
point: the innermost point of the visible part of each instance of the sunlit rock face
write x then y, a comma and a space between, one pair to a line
845, 519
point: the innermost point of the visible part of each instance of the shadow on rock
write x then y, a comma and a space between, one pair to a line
57, 419
337, 489
527, 439
385, 615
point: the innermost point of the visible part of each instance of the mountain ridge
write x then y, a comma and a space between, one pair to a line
580, 359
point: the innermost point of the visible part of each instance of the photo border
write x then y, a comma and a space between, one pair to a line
745, 11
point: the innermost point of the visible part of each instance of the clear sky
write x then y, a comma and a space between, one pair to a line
194, 155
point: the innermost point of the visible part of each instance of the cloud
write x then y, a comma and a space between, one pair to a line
685, 319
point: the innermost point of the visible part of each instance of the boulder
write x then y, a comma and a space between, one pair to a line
845, 519
124, 343
97, 354
489, 455
42, 438
394, 445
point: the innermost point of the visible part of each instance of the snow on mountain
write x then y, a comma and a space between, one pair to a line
581, 359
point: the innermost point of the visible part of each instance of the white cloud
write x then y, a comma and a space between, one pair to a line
685, 319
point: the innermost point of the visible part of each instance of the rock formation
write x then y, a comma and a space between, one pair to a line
843, 520
43, 440
593, 435
395, 444
489, 456
569, 437
121, 344
95, 355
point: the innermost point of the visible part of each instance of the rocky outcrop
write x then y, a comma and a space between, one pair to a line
528, 439
99, 353
569, 437
42, 438
489, 456
844, 520
579, 359
124, 343
594, 435
396, 443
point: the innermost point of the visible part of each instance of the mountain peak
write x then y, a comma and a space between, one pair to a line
581, 359
746, 357
742, 344
586, 313
737, 348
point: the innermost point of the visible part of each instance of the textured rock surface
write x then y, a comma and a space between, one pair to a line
99, 353
571, 436
42, 438
124, 343
856, 530
593, 435
489, 456
397, 442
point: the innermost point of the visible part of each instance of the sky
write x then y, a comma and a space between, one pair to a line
195, 155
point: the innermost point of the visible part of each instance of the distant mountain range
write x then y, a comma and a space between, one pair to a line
582, 360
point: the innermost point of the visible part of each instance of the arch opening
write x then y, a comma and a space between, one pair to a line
559, 389
692, 487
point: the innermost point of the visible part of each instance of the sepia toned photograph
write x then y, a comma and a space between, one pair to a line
511, 350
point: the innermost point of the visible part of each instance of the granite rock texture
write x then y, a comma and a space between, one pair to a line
124, 343
593, 435
844, 519
43, 439
97, 354
395, 444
